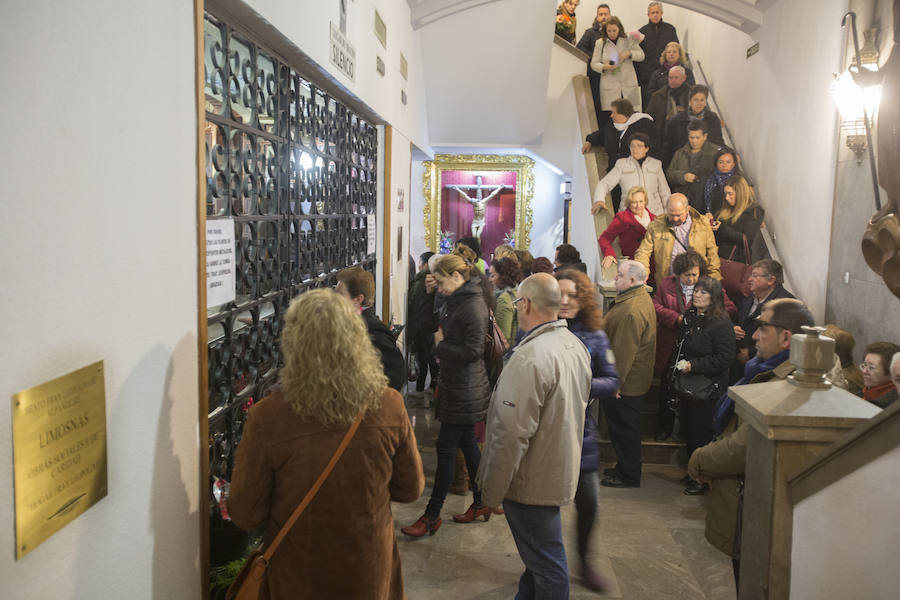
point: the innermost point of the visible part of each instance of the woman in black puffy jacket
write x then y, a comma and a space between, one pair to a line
706, 346
463, 388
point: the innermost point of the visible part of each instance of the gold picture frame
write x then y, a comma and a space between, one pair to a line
523, 166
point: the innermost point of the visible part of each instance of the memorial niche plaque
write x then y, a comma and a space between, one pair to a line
59, 453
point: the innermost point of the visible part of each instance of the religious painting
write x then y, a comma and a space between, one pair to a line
485, 196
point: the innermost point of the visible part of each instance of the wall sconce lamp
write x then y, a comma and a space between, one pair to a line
856, 93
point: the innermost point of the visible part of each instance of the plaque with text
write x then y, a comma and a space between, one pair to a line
59, 453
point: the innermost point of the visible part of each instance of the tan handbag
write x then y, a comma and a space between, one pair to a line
248, 583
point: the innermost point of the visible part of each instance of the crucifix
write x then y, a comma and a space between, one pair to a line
478, 202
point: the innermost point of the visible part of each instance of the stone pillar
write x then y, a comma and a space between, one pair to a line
791, 422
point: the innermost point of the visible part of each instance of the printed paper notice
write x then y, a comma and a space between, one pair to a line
219, 262
370, 234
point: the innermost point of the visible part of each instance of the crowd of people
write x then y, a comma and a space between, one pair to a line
520, 358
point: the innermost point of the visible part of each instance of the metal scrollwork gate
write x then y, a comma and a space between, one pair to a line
295, 171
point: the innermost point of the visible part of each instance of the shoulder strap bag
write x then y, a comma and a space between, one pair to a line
736, 274
248, 583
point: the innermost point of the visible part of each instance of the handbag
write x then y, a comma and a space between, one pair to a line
736, 274
495, 343
495, 346
695, 387
248, 583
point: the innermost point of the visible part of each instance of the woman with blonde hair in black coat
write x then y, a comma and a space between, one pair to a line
464, 390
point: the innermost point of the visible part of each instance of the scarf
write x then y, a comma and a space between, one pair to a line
696, 117
715, 182
688, 292
870, 393
668, 65
724, 408
643, 218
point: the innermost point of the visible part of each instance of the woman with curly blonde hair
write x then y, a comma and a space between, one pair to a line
332, 375
673, 55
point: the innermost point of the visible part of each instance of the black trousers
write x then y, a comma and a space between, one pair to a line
696, 424
587, 496
623, 414
426, 360
451, 437
665, 418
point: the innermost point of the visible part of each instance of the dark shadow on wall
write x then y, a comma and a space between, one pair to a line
174, 521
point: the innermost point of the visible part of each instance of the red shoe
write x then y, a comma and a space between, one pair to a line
424, 525
473, 513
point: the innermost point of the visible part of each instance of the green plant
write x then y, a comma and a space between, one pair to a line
221, 577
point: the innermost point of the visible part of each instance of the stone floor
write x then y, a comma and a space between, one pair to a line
647, 542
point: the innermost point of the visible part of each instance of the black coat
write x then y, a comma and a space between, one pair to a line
655, 39
463, 389
746, 319
709, 345
618, 147
386, 344
676, 135
421, 321
658, 106
660, 78
588, 39
729, 237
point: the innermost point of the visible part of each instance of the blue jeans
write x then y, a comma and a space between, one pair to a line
537, 531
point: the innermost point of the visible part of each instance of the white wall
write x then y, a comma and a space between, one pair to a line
400, 224
486, 73
305, 24
847, 536
99, 262
864, 294
547, 204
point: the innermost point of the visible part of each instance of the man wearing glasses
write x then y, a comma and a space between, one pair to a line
721, 463
766, 278
532, 450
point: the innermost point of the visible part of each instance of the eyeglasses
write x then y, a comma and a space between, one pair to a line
761, 323
867, 366
519, 299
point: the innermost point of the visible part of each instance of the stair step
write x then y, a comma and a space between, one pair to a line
652, 452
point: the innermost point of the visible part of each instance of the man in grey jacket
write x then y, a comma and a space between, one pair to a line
532, 450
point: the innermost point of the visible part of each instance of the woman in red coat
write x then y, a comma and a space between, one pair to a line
628, 225
671, 299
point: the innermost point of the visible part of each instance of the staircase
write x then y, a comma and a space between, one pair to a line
595, 161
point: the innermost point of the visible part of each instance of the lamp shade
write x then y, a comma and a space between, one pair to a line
850, 98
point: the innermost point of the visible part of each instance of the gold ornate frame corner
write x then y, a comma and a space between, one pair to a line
431, 188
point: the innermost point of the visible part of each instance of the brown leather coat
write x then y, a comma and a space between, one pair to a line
343, 545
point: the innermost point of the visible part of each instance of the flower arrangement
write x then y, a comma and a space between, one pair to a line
446, 243
510, 238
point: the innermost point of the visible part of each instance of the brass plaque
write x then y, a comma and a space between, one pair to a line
59, 453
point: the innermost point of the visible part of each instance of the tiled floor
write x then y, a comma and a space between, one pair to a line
647, 542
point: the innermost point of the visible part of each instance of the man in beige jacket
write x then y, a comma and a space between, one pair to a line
532, 450
631, 327
682, 228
